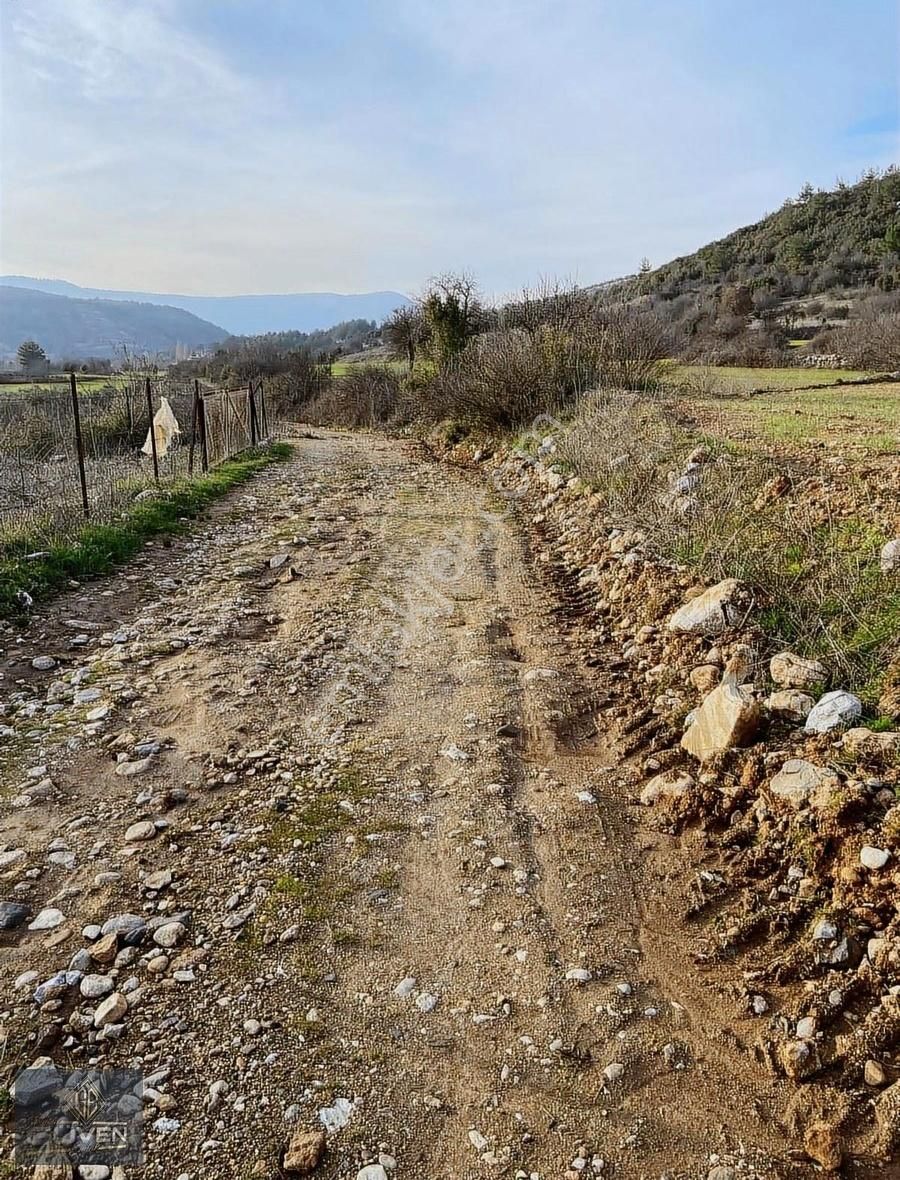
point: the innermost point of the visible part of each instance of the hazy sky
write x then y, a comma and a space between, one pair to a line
225, 146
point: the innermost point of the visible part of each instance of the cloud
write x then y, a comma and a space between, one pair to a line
229, 145
120, 49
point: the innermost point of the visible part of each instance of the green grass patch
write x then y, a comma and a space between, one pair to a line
99, 548
749, 379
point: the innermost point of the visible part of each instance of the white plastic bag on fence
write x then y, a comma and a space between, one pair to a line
166, 429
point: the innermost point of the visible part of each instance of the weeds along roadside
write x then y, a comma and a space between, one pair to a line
29, 566
811, 560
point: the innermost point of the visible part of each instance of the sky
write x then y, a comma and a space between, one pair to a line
238, 146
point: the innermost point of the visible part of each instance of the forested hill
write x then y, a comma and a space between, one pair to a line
819, 241
96, 327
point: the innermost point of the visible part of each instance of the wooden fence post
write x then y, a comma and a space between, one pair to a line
201, 422
152, 433
79, 446
254, 426
264, 416
194, 416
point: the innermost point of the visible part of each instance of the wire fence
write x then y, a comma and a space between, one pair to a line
70, 452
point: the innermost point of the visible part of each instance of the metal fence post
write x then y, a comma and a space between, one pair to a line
152, 433
79, 445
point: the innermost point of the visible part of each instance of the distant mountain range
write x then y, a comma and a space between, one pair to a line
242, 315
80, 328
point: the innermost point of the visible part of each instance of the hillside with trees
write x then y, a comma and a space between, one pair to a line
815, 243
822, 275
80, 328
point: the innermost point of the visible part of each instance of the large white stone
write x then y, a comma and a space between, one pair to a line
800, 782
710, 613
835, 710
873, 858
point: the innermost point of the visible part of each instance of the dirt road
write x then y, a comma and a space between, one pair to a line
365, 737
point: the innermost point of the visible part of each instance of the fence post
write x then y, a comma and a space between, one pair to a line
201, 422
79, 446
265, 411
254, 429
193, 426
152, 433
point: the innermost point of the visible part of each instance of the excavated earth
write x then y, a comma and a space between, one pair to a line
363, 763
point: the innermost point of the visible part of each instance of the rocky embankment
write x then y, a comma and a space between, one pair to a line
768, 757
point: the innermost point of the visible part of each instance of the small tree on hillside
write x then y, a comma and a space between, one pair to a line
453, 311
31, 356
405, 332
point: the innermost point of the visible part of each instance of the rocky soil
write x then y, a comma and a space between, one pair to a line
359, 821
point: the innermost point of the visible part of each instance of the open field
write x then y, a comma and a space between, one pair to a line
739, 380
85, 384
866, 416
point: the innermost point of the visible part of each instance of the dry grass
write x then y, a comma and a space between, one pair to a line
815, 573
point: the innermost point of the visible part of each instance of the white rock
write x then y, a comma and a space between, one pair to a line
93, 1172
806, 1028
169, 935
710, 613
47, 919
800, 782
111, 1010
372, 1172
405, 988
130, 769
873, 858
426, 1002
94, 987
614, 1071
43, 663
144, 829
835, 710
890, 557
578, 975
335, 1117
454, 753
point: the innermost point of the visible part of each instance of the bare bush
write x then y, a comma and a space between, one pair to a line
629, 343
368, 396
871, 341
503, 380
